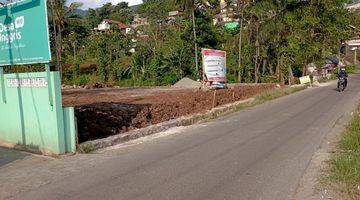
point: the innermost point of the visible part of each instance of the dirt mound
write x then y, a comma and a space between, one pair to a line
187, 83
102, 113
104, 119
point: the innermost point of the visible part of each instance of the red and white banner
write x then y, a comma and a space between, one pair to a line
214, 65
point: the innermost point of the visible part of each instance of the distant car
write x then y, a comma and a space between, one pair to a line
218, 85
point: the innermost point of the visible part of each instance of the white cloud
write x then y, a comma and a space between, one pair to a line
99, 3
131, 2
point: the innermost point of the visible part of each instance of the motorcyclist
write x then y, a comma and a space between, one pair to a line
342, 74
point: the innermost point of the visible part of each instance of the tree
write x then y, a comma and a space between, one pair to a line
190, 6
59, 14
92, 18
108, 48
122, 13
105, 11
276, 37
164, 57
239, 9
147, 9
285, 34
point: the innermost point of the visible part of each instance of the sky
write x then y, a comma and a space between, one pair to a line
99, 3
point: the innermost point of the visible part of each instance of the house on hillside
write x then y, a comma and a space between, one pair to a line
106, 25
226, 11
173, 15
353, 6
349, 50
139, 21
227, 16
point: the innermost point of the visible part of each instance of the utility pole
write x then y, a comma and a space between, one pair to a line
196, 46
240, 45
257, 44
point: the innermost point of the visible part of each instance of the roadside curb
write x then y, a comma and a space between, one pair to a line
94, 145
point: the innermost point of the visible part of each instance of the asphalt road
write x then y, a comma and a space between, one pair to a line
258, 153
8, 155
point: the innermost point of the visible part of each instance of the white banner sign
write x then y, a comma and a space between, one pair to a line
214, 65
27, 82
305, 80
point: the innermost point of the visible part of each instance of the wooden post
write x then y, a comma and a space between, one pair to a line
214, 99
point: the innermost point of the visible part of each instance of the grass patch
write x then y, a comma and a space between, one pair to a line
324, 79
344, 170
353, 69
270, 95
85, 149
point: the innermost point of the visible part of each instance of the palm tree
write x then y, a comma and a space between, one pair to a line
59, 13
190, 6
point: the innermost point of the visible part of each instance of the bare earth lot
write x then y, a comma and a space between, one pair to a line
104, 112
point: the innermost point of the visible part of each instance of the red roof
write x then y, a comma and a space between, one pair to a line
123, 26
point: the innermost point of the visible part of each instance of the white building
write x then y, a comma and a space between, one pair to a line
353, 6
103, 26
106, 24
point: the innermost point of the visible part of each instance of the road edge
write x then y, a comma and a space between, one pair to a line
94, 145
215, 113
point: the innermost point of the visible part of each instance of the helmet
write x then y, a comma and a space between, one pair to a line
341, 64
342, 69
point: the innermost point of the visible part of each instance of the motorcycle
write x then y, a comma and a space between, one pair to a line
341, 84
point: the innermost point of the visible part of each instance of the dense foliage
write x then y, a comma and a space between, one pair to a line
278, 38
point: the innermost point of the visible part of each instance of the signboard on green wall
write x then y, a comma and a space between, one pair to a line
24, 36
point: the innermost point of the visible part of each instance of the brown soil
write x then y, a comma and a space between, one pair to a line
104, 112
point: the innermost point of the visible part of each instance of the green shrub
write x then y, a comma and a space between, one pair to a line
231, 78
268, 79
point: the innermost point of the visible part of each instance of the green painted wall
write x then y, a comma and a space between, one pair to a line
28, 119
